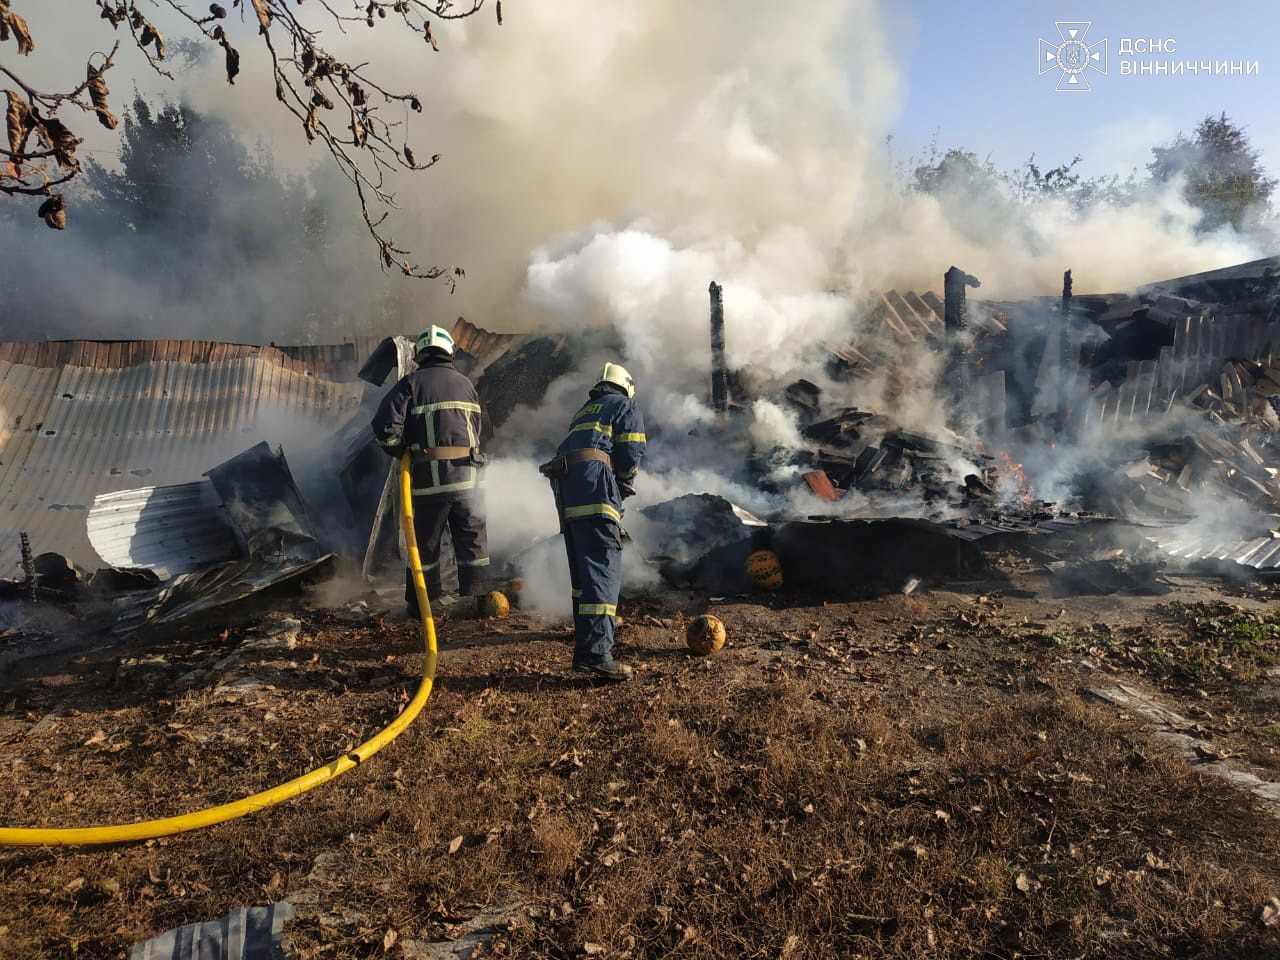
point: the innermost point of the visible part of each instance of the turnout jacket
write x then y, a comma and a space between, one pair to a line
435, 406
611, 422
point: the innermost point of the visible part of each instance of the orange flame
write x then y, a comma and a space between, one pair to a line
1024, 491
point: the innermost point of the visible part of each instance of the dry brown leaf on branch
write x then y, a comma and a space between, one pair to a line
12, 23
233, 56
264, 15
114, 15
55, 136
54, 212
18, 123
98, 94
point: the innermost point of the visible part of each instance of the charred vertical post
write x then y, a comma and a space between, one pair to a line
719, 367
28, 566
1066, 375
956, 321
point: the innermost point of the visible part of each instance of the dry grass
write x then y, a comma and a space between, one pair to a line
774, 819
1218, 657
703, 811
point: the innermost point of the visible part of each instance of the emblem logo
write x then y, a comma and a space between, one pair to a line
1073, 57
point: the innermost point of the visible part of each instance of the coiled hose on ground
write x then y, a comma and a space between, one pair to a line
148, 829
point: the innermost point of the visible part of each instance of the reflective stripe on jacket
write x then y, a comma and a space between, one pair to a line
435, 406
612, 423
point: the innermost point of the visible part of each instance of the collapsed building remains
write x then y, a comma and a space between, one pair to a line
189, 470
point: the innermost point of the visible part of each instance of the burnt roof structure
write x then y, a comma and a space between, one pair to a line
80, 418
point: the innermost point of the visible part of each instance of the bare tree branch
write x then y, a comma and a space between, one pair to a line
335, 102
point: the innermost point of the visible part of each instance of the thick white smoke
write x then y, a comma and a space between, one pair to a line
604, 161
669, 144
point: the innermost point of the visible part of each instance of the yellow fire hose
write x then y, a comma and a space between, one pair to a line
146, 830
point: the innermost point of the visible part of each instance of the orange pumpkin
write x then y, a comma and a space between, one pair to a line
494, 604
705, 634
764, 571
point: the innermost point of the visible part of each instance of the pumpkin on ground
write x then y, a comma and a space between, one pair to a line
705, 634
494, 604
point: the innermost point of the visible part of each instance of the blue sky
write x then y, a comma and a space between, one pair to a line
970, 75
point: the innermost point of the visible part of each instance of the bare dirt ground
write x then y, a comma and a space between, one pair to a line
906, 776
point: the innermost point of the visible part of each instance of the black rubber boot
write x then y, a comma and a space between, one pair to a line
613, 671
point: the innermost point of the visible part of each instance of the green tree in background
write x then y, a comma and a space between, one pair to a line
955, 170
193, 234
1224, 176
339, 104
961, 172
183, 174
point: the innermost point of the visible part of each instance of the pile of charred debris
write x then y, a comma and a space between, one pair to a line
1168, 398
1157, 411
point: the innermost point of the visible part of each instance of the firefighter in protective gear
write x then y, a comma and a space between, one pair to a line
593, 471
434, 413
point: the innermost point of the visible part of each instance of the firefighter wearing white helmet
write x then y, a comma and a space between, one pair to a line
434, 413
594, 469
616, 374
433, 338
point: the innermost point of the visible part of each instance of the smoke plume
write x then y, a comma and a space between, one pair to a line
669, 145
602, 162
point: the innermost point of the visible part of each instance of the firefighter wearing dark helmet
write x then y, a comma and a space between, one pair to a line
434, 413
594, 469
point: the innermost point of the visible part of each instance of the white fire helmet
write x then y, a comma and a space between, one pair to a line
433, 338
616, 374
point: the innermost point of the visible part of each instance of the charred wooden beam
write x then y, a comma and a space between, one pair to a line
719, 366
28, 567
1066, 375
956, 321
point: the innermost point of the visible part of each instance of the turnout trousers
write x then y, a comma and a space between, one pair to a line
594, 548
461, 514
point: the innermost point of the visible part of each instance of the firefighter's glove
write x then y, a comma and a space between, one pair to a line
626, 488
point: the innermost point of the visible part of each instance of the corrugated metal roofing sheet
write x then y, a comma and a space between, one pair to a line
191, 594
116, 354
71, 433
1258, 553
480, 343
171, 530
250, 933
333, 361
1253, 270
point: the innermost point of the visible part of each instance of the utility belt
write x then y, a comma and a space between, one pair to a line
429, 454
557, 467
